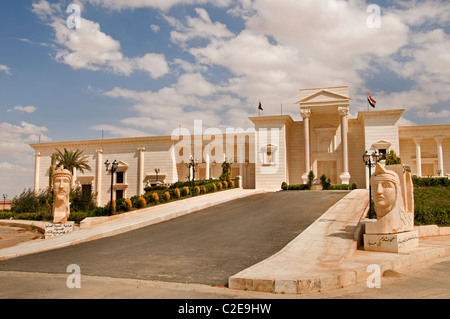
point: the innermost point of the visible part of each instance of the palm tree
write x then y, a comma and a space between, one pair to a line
71, 160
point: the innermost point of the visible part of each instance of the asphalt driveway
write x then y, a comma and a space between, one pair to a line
205, 247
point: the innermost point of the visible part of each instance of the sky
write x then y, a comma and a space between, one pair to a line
74, 70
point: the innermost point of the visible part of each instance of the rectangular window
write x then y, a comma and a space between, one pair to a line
119, 177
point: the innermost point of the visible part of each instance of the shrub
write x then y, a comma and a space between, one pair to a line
297, 187
231, 184
226, 169
203, 189
185, 191
354, 186
196, 190
167, 196
340, 187
155, 188
284, 186
311, 178
177, 193
30, 202
77, 217
155, 198
141, 202
431, 181
432, 206
127, 205
219, 186
225, 184
108, 206
326, 183
392, 159
214, 187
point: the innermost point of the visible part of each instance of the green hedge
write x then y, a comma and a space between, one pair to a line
301, 187
432, 205
431, 181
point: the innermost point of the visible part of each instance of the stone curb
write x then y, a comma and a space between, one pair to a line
321, 276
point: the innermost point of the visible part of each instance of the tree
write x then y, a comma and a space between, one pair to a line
392, 159
311, 178
226, 168
71, 160
51, 169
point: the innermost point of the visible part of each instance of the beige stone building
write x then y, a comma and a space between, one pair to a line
278, 149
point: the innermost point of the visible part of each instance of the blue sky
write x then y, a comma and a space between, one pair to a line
144, 67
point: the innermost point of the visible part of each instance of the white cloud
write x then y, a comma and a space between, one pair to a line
4, 68
15, 138
155, 28
155, 64
26, 109
198, 27
157, 4
117, 131
88, 47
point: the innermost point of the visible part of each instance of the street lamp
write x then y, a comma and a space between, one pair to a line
4, 200
113, 169
157, 170
370, 160
192, 164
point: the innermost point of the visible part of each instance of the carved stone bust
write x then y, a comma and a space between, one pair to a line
390, 195
61, 188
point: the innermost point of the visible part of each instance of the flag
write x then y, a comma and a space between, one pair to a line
371, 101
260, 106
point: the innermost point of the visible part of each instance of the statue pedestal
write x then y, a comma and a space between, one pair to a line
54, 230
392, 243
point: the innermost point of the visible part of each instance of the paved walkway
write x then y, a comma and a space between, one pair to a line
125, 222
322, 258
206, 247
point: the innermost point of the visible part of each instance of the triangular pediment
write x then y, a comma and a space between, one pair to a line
324, 96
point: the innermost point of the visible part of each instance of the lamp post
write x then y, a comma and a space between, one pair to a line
192, 164
114, 166
370, 160
4, 200
157, 170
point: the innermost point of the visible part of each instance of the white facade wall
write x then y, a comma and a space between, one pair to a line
285, 138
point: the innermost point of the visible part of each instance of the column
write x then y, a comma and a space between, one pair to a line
98, 177
207, 166
306, 114
343, 113
241, 159
140, 185
439, 140
37, 167
74, 177
418, 156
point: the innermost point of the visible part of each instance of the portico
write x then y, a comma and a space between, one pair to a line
325, 115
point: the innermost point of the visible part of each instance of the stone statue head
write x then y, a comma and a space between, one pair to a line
389, 203
61, 188
386, 191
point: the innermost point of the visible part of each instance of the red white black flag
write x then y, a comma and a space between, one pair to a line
371, 101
